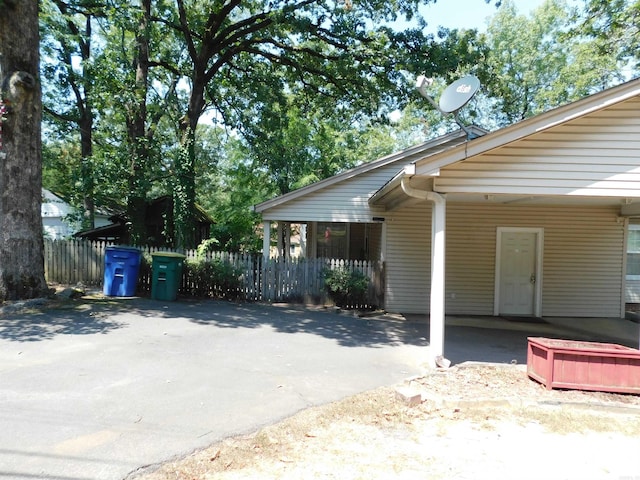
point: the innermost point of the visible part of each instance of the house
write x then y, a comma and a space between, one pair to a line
541, 218
158, 211
58, 220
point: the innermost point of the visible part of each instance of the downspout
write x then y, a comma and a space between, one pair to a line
437, 298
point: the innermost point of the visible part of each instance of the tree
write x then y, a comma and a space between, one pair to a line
615, 25
233, 58
21, 241
534, 65
68, 49
129, 37
323, 47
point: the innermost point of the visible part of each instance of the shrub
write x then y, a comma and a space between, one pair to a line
144, 274
213, 278
347, 288
207, 246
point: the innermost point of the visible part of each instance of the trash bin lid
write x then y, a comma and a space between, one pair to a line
168, 254
123, 248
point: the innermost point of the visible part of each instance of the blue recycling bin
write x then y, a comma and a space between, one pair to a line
121, 268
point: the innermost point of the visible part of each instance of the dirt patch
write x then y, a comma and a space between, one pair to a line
475, 422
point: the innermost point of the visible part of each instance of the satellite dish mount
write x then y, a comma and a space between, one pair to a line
454, 97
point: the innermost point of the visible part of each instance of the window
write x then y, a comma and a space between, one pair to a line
332, 240
633, 252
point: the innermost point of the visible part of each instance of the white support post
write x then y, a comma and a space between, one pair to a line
266, 240
286, 251
266, 255
303, 240
437, 295
279, 241
437, 316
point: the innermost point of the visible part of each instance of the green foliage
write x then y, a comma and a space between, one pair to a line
184, 194
615, 27
207, 246
298, 91
145, 272
213, 278
533, 65
228, 188
347, 288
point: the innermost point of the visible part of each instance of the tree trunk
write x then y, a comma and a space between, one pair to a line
184, 192
86, 133
21, 240
86, 166
139, 184
81, 85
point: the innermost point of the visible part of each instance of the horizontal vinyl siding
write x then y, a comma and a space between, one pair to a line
342, 202
582, 258
583, 264
408, 260
470, 257
598, 155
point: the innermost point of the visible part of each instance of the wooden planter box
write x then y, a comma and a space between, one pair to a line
603, 367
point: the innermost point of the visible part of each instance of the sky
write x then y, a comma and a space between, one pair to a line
467, 13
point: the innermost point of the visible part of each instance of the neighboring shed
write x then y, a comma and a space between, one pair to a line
531, 220
158, 218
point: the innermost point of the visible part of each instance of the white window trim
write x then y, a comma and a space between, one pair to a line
631, 226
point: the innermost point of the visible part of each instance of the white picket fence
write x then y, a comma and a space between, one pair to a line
71, 262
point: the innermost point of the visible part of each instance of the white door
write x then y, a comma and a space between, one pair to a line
518, 271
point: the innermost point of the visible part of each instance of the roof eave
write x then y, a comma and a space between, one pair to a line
539, 123
365, 167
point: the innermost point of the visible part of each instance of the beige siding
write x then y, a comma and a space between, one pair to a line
408, 260
346, 201
598, 155
583, 264
470, 259
582, 258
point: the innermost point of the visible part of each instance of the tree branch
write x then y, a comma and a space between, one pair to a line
278, 59
59, 116
186, 31
166, 66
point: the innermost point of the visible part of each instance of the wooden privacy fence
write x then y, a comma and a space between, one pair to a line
72, 262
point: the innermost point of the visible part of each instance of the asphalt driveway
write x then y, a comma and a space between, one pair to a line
100, 392
101, 389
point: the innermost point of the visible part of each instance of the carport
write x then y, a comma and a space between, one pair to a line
554, 195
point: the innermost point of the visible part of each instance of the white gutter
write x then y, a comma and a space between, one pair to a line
437, 298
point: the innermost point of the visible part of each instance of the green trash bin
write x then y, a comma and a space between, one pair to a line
166, 275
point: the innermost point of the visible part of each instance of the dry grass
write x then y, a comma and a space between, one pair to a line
373, 435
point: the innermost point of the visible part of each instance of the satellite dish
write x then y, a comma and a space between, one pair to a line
458, 94
454, 97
